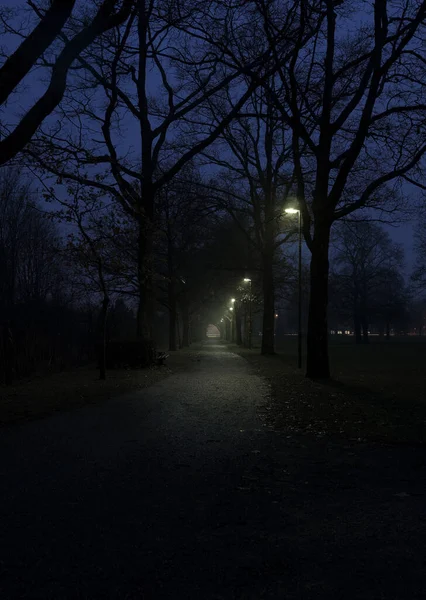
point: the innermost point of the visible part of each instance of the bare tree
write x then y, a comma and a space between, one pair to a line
14, 195
354, 98
96, 252
255, 156
419, 272
367, 273
31, 270
184, 215
32, 48
114, 88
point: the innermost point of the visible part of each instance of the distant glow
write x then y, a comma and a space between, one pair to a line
232, 300
276, 315
221, 320
291, 211
246, 279
231, 308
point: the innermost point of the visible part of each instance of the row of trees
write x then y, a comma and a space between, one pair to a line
367, 281
63, 287
264, 100
49, 315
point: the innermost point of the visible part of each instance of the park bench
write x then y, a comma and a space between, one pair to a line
161, 357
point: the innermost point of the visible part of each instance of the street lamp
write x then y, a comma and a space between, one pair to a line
248, 280
293, 211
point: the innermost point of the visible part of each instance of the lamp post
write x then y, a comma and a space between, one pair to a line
293, 211
247, 280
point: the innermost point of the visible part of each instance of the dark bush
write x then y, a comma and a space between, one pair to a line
129, 353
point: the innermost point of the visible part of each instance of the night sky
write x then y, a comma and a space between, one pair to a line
32, 86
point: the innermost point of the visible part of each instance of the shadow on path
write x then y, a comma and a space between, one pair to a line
180, 491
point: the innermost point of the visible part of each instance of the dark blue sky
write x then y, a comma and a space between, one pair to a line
31, 88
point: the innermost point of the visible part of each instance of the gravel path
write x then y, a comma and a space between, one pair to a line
182, 491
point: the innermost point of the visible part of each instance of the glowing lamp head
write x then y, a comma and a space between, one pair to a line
246, 279
291, 211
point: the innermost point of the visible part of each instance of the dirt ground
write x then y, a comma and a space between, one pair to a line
378, 394
44, 395
186, 490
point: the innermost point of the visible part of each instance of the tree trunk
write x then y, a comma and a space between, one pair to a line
185, 324
232, 326
268, 342
227, 330
145, 312
172, 321
238, 335
357, 327
268, 325
246, 325
365, 337
179, 338
171, 291
103, 332
145, 305
8, 349
196, 329
147, 191
317, 365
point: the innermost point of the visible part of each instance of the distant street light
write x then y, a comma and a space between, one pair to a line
293, 211
247, 280
232, 300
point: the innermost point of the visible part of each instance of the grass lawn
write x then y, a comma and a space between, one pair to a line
40, 396
378, 391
